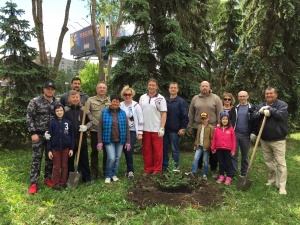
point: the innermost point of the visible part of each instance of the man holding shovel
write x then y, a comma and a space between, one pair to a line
74, 113
273, 140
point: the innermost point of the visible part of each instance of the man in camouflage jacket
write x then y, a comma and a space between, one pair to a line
39, 114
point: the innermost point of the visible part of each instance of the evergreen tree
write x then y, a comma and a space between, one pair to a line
227, 41
156, 49
269, 52
24, 76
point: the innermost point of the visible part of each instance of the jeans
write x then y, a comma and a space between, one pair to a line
197, 156
242, 142
173, 139
114, 152
128, 154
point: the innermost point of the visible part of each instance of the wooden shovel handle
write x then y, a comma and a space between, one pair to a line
256, 144
80, 136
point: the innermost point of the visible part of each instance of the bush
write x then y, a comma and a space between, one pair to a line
13, 132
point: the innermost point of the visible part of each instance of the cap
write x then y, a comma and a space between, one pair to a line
222, 114
204, 115
49, 84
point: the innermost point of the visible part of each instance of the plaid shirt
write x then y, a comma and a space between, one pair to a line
107, 125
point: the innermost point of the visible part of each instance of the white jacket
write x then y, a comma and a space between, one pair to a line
137, 115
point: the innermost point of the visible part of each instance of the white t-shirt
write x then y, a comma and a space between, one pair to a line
129, 114
152, 107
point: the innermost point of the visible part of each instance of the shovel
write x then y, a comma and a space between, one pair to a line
75, 176
243, 183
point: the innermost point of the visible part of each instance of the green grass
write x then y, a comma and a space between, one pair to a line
105, 204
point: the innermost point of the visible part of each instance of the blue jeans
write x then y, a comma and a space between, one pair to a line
128, 154
173, 139
242, 142
114, 152
197, 156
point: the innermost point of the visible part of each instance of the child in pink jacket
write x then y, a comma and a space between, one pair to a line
224, 144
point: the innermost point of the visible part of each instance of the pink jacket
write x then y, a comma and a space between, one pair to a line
224, 139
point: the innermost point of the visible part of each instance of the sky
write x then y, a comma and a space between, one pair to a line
53, 17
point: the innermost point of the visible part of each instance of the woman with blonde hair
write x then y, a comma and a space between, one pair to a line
228, 101
134, 115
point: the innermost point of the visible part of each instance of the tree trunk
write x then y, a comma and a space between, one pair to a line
63, 32
37, 13
97, 44
113, 31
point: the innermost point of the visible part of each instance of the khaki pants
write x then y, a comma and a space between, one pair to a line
274, 156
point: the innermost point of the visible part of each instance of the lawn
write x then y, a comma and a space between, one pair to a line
106, 204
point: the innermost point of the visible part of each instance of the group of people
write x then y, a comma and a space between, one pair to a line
218, 126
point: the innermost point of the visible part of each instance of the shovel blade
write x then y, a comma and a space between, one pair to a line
243, 183
73, 179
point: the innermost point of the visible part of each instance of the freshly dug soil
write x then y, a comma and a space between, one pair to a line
198, 194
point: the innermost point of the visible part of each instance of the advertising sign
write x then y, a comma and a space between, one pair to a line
82, 41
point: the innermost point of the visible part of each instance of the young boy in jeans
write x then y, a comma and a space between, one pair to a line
205, 133
60, 146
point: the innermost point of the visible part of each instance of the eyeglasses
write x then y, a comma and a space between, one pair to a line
227, 99
127, 95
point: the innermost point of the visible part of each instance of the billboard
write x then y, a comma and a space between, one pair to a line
82, 41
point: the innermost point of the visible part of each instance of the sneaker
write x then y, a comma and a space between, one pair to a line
214, 174
221, 179
282, 191
114, 178
32, 189
204, 177
130, 175
49, 182
190, 174
145, 174
228, 180
107, 180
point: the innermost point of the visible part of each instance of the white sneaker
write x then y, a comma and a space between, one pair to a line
107, 180
282, 191
130, 175
204, 177
114, 178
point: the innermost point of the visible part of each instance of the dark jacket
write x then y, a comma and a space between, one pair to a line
74, 113
252, 123
276, 126
64, 98
62, 134
177, 115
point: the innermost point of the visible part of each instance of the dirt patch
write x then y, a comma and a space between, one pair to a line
199, 194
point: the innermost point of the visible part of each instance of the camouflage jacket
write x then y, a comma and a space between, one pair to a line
95, 105
39, 114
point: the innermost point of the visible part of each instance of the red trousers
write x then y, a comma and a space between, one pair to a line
60, 166
152, 152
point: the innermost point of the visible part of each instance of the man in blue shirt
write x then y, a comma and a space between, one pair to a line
177, 121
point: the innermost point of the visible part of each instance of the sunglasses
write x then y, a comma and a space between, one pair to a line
227, 99
127, 95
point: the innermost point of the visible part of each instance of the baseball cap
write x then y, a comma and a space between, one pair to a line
49, 84
204, 115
